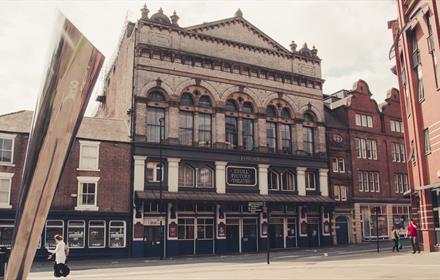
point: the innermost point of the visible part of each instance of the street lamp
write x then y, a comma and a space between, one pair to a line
161, 122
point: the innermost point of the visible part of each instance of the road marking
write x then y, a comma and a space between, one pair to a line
286, 257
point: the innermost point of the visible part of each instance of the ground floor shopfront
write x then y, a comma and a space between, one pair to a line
87, 234
203, 227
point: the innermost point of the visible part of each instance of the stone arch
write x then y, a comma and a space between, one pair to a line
311, 108
287, 98
209, 89
164, 87
245, 98
236, 89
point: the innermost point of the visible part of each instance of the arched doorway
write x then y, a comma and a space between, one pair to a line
342, 230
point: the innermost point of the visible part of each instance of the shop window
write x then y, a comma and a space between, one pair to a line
6, 148
291, 227
155, 127
310, 180
96, 234
76, 234
53, 227
273, 180
185, 229
186, 175
205, 229
117, 234
6, 233
204, 177
89, 155
288, 181
154, 172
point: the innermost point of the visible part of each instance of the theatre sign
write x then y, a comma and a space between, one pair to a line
241, 176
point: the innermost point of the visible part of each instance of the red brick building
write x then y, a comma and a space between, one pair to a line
416, 51
91, 207
367, 161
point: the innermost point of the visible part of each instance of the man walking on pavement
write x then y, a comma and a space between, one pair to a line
412, 232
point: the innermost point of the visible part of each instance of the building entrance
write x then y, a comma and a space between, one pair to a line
152, 244
342, 230
250, 233
232, 236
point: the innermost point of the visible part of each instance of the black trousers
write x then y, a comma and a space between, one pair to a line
415, 244
60, 269
396, 245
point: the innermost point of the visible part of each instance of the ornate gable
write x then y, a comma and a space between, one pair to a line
240, 30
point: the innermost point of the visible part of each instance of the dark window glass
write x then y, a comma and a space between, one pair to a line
231, 105
231, 132
271, 111
308, 140
248, 134
154, 128
271, 131
186, 130
247, 107
286, 138
186, 99
205, 101
156, 96
285, 113
205, 130
5, 150
308, 117
273, 180
186, 176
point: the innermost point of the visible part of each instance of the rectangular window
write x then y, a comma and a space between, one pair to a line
308, 140
361, 181
417, 67
343, 193
396, 126
76, 234
248, 134
358, 120
186, 128
5, 189
336, 192
89, 155
310, 180
287, 181
155, 131
185, 229
205, 130
87, 195
6, 232
205, 229
6, 148
154, 172
96, 234
427, 141
53, 227
432, 50
117, 234
363, 120
286, 139
376, 181
338, 165
363, 148
205, 177
357, 144
231, 132
271, 132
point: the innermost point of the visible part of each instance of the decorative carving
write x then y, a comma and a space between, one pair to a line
145, 12
158, 82
174, 19
161, 18
238, 13
293, 46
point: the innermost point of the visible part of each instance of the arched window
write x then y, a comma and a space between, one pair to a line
204, 177
285, 113
231, 105
156, 96
186, 99
273, 180
205, 101
186, 175
271, 111
247, 107
288, 181
308, 117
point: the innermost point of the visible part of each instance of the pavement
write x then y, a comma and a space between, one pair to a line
332, 263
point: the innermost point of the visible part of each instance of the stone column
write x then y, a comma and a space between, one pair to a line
141, 121
323, 181
172, 125
139, 173
320, 137
261, 133
299, 137
357, 222
196, 128
294, 136
262, 178
220, 176
301, 179
390, 220
173, 174
240, 132
220, 130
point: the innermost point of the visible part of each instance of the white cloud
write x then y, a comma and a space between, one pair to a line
351, 36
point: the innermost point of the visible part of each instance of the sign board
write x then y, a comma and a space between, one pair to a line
241, 176
255, 207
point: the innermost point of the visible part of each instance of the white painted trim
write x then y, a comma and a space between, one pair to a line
82, 180
9, 137
45, 230
244, 167
84, 231
105, 233
89, 143
7, 176
125, 233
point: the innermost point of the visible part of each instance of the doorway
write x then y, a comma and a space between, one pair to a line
232, 235
250, 231
342, 230
152, 244
313, 235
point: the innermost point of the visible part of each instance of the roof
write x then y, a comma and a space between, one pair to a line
333, 121
91, 128
232, 197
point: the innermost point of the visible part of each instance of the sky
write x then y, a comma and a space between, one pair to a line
351, 36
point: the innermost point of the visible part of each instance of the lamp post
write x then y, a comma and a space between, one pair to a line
161, 122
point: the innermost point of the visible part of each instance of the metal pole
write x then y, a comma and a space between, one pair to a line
268, 235
161, 120
377, 228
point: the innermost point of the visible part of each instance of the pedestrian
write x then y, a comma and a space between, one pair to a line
61, 250
395, 237
412, 233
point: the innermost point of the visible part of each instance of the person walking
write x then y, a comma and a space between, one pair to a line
412, 233
395, 237
60, 268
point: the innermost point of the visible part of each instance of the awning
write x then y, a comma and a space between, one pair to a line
233, 197
431, 186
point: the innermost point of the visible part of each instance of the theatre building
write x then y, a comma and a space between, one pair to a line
221, 115
416, 52
91, 207
368, 171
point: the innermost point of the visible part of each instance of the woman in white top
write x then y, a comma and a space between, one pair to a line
60, 268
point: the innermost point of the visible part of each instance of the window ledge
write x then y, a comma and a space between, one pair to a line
86, 208
7, 164
83, 169
5, 206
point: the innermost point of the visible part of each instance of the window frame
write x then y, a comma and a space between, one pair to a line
185, 225
6, 224
183, 167
246, 135
270, 185
282, 186
8, 177
124, 227
183, 129
84, 144
204, 225
427, 141
310, 143
7, 136
68, 233
197, 179
87, 180
153, 126
156, 170
202, 129
94, 226
288, 149
308, 175
233, 133
272, 126
52, 226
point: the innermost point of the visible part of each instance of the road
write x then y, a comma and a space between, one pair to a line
350, 262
